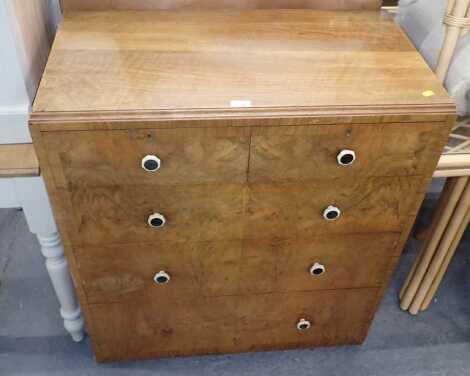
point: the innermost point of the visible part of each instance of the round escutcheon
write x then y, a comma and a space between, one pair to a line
346, 157
303, 325
331, 213
156, 220
151, 163
161, 278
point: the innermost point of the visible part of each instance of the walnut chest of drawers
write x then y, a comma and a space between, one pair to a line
229, 181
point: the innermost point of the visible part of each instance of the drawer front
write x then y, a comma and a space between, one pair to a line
206, 213
120, 214
114, 272
311, 152
363, 206
226, 154
326, 263
148, 327
186, 156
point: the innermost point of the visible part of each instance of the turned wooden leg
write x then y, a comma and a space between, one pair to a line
57, 267
33, 198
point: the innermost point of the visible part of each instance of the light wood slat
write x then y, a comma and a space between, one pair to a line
448, 257
451, 233
440, 207
408, 294
452, 173
454, 162
451, 38
18, 160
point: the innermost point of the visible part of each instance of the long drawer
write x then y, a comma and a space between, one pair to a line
110, 273
236, 155
121, 214
149, 326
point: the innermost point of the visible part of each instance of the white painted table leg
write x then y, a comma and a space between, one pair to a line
32, 196
56, 264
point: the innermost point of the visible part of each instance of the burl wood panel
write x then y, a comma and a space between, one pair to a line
68, 5
295, 209
118, 214
188, 156
310, 152
221, 154
110, 273
188, 325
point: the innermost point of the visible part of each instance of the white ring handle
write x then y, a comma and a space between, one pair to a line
303, 325
331, 213
161, 278
151, 163
317, 269
156, 220
346, 157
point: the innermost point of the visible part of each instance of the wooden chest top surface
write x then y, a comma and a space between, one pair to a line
269, 60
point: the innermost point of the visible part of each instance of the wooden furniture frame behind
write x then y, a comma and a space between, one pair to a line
453, 211
239, 4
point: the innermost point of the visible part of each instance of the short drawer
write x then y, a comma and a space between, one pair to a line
120, 214
325, 263
148, 327
113, 272
180, 156
341, 151
379, 204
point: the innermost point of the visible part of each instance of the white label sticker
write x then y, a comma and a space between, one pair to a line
240, 103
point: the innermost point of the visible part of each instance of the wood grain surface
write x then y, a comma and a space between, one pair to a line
68, 5
193, 61
144, 327
369, 205
188, 156
18, 160
310, 152
233, 211
243, 189
238, 155
111, 273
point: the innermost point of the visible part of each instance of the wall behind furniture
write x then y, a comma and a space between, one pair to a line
34, 23
27, 30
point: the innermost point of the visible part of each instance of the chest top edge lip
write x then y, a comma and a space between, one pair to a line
235, 114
